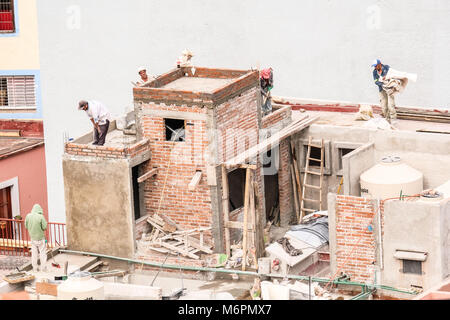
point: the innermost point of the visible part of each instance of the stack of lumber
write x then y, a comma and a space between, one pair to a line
167, 237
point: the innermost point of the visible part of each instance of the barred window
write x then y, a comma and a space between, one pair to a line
17, 92
7, 16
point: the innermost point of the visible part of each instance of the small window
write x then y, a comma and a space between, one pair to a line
175, 129
17, 92
7, 16
412, 266
343, 152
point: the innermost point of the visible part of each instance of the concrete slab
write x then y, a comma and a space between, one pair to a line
207, 85
347, 119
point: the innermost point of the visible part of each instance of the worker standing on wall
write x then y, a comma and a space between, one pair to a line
387, 101
36, 225
100, 117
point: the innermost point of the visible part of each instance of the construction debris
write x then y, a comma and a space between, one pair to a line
19, 277
288, 247
167, 237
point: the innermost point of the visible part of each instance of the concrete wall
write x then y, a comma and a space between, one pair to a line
354, 164
91, 49
99, 197
420, 226
426, 152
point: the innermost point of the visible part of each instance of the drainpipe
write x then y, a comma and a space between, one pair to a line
230, 271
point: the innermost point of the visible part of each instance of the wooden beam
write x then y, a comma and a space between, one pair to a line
238, 225
244, 230
147, 175
226, 209
271, 142
195, 181
295, 191
180, 250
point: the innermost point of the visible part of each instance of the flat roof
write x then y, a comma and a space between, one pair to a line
13, 145
197, 84
348, 119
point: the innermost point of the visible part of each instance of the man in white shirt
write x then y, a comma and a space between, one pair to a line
100, 117
144, 77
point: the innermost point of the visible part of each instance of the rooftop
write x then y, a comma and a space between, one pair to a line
13, 145
197, 86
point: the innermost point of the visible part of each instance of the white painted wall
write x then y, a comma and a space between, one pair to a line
318, 49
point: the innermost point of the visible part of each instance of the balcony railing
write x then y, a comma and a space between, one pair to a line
15, 239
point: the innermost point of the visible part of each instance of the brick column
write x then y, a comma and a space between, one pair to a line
285, 184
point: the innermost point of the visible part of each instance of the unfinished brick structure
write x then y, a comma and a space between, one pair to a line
220, 113
188, 122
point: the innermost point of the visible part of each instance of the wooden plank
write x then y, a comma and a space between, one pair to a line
196, 244
195, 181
154, 224
226, 209
158, 249
176, 249
294, 186
238, 225
269, 143
244, 230
147, 175
297, 174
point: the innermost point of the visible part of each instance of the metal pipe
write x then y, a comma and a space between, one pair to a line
229, 271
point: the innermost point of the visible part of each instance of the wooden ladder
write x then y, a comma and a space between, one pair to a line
308, 171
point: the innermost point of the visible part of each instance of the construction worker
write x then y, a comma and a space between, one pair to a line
387, 101
266, 81
185, 59
100, 117
144, 78
36, 225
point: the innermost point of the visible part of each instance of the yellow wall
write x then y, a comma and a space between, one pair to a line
21, 52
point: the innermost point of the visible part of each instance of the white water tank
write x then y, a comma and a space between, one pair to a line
81, 286
389, 178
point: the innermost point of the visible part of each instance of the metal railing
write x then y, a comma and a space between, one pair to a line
15, 239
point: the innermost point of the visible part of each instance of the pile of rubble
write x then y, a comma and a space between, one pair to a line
167, 237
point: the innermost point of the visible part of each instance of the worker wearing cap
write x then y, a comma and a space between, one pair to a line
99, 116
387, 101
185, 59
36, 225
144, 77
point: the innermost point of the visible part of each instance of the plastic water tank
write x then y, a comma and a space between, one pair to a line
389, 178
81, 286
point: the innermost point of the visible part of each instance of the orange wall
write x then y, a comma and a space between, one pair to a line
29, 167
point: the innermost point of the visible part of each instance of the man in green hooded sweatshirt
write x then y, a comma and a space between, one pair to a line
36, 225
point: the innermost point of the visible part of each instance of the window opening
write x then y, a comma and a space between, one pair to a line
175, 129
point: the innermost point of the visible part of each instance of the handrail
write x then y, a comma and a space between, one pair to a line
15, 239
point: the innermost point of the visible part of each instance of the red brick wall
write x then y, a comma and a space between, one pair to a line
107, 152
274, 118
355, 244
168, 192
28, 128
237, 125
